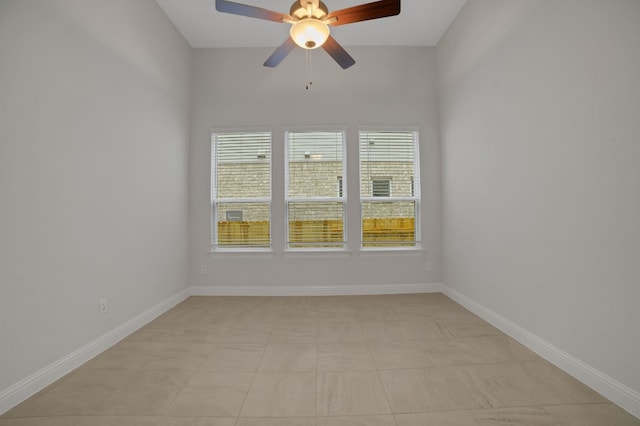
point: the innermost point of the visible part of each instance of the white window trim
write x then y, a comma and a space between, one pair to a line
417, 193
215, 250
314, 251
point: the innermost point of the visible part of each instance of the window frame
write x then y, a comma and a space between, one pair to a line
340, 198
215, 201
415, 197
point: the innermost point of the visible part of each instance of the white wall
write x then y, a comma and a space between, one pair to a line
387, 86
93, 172
540, 123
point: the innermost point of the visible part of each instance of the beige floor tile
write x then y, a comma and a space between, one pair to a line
72, 403
281, 395
289, 358
384, 331
425, 329
591, 415
375, 314
212, 394
234, 357
75, 394
157, 421
344, 357
177, 361
142, 402
169, 380
300, 303
525, 384
472, 329
318, 361
149, 394
430, 389
119, 421
384, 420
143, 347
87, 380
476, 350
117, 359
253, 316
297, 316
404, 354
339, 332
294, 333
520, 416
408, 314
451, 418
41, 421
250, 333
352, 315
456, 314
348, 393
196, 421
282, 421
190, 348
183, 314
178, 332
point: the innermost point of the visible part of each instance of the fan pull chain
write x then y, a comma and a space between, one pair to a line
308, 69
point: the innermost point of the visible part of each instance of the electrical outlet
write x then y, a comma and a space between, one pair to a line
104, 307
203, 269
427, 266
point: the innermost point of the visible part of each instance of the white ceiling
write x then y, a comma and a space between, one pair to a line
420, 23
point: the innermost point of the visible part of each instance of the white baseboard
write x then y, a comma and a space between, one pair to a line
25, 388
326, 290
610, 388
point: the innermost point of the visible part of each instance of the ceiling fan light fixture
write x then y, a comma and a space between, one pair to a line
309, 33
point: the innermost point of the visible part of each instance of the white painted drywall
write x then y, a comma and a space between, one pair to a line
390, 86
540, 124
94, 100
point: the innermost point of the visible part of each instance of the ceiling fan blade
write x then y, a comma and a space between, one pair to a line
280, 53
250, 11
338, 53
364, 12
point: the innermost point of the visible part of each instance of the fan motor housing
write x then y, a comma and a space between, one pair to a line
318, 10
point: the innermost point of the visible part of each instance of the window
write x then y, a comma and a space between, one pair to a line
315, 212
241, 190
389, 219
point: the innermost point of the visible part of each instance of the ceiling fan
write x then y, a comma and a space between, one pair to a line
310, 21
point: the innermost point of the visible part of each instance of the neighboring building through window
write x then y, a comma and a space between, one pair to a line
389, 188
315, 212
381, 187
241, 190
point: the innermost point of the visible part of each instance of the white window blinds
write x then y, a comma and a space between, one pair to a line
241, 189
315, 204
389, 188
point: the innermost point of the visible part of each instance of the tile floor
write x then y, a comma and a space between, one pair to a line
400, 360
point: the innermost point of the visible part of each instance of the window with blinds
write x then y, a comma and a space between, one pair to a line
315, 204
389, 188
241, 190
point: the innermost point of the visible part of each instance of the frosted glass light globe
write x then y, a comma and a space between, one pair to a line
309, 33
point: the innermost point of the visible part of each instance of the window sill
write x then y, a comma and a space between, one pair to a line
307, 253
241, 253
393, 252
